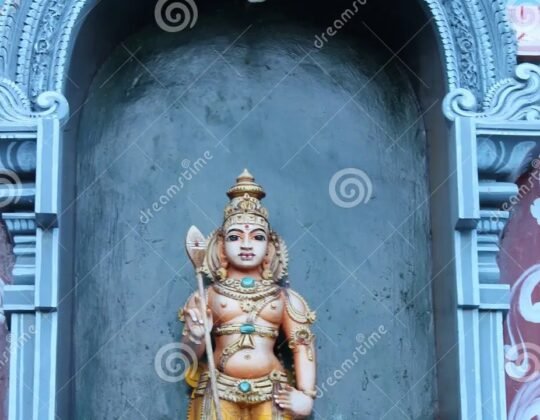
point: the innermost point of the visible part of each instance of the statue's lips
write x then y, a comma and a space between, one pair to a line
246, 256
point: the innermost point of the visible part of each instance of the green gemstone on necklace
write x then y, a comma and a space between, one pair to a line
247, 328
247, 282
244, 386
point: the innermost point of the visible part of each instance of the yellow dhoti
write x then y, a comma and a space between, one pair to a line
235, 411
240, 399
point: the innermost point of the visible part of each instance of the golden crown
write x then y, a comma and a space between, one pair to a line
245, 206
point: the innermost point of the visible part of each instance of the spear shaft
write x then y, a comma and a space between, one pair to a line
196, 250
208, 345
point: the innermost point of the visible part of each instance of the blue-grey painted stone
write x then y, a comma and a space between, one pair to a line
276, 111
18, 156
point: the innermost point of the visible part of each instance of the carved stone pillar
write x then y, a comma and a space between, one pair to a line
29, 161
491, 146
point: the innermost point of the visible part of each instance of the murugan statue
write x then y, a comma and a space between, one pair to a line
247, 306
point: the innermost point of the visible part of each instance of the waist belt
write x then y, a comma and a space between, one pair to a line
249, 391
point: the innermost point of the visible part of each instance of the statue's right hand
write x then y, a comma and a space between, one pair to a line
194, 319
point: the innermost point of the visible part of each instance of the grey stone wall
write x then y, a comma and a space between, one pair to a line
272, 108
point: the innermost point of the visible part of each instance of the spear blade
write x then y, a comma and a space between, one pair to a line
195, 246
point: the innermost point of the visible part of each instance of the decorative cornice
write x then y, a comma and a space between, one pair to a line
507, 52
9, 11
476, 40
26, 42
20, 223
492, 222
65, 44
484, 51
510, 99
467, 46
15, 106
447, 41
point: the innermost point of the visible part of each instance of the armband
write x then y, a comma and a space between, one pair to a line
302, 336
303, 316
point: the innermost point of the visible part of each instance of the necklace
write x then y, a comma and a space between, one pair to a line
247, 291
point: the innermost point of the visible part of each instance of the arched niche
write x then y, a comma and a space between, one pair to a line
469, 48
382, 131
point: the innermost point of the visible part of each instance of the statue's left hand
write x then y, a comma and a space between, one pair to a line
295, 401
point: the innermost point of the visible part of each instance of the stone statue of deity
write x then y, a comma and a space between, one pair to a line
247, 308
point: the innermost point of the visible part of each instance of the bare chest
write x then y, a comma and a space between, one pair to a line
226, 310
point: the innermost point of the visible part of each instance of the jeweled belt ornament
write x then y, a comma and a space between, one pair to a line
249, 391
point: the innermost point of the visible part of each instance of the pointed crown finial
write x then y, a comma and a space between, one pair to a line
245, 205
245, 184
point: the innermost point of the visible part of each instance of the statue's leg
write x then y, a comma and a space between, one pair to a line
233, 411
229, 410
267, 411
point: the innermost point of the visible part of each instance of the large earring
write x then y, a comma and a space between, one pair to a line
267, 273
222, 273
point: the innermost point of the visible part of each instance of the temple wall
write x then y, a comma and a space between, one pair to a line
520, 268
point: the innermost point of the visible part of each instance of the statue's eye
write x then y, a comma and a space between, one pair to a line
232, 238
260, 238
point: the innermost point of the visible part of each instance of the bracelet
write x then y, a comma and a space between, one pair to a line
310, 393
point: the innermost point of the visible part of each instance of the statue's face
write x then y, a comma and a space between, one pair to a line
246, 245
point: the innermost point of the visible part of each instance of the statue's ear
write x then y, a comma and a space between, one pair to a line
269, 262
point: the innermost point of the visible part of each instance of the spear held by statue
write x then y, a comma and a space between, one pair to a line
196, 250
